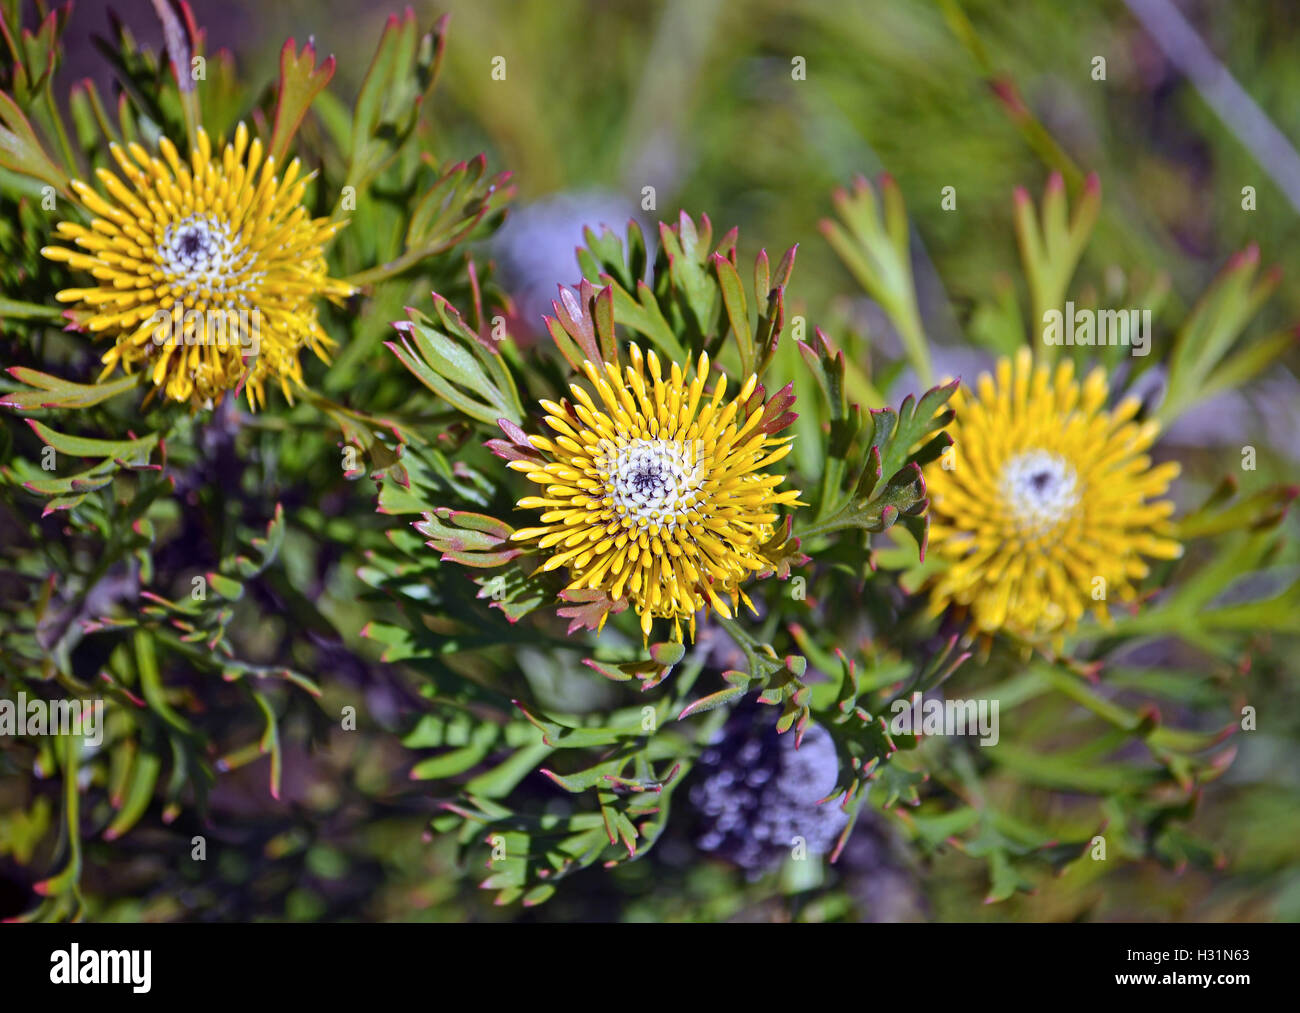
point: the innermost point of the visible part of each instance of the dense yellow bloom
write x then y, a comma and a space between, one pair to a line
1048, 502
207, 270
656, 491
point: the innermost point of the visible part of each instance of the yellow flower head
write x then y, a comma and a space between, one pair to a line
206, 270
1048, 503
655, 490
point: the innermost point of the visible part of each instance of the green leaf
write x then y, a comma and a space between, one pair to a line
300, 82
915, 421
733, 298
144, 777
458, 371
231, 590
129, 451
458, 760
15, 310
401, 75
21, 151
1218, 318
876, 252
55, 392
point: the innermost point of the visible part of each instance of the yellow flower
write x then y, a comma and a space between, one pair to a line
655, 490
1048, 502
206, 271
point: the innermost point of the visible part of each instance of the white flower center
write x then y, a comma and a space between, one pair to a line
653, 481
1040, 488
199, 252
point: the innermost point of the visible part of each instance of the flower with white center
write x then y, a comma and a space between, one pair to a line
655, 491
1048, 503
207, 270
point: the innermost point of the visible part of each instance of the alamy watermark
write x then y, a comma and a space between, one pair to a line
75, 966
220, 328
38, 716
945, 717
1084, 326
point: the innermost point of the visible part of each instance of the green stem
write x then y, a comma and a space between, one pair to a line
753, 649
913, 336
61, 133
1071, 686
393, 268
836, 522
